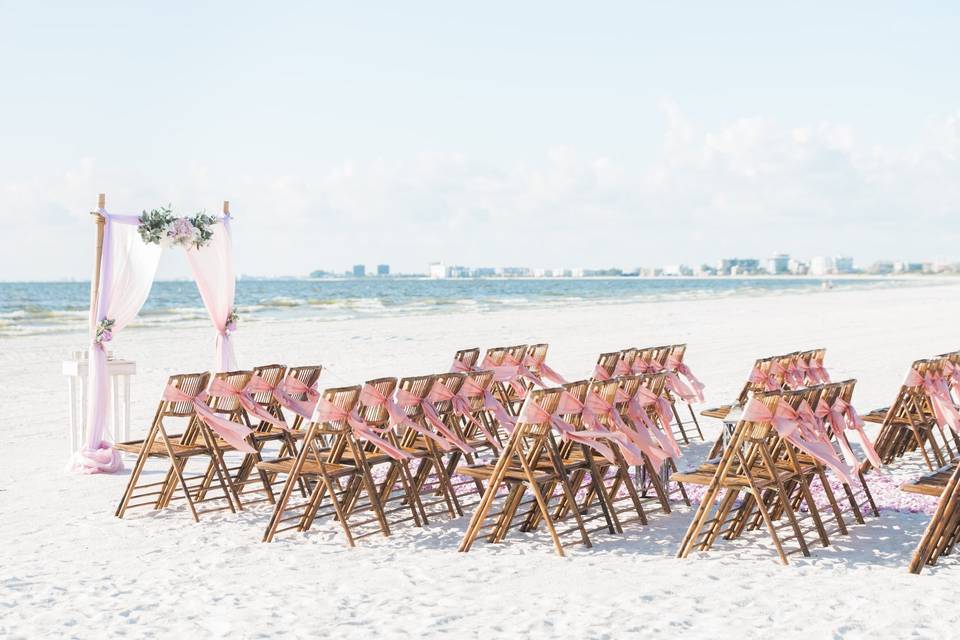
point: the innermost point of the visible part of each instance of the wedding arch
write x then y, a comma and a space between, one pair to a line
128, 252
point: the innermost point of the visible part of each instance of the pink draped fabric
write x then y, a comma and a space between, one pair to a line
935, 388
601, 374
290, 387
459, 366
461, 405
696, 387
767, 380
595, 439
445, 439
842, 415
644, 398
817, 371
638, 436
212, 268
328, 412
789, 426
127, 269
233, 433
255, 409
546, 372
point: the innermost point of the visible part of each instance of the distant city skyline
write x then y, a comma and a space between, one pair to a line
778, 264
590, 135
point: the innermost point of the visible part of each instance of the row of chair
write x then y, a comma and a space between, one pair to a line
395, 450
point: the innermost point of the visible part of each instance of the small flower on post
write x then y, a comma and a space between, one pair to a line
232, 319
105, 330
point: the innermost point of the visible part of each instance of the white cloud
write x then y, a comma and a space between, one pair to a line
751, 187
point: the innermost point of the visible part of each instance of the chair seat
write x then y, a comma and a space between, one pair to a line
159, 449
515, 474
717, 412
931, 484
310, 467
876, 416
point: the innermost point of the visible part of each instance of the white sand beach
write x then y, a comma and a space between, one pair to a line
69, 568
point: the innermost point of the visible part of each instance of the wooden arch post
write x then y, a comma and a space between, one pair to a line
101, 222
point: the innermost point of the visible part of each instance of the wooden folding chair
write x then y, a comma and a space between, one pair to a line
648, 476
747, 467
322, 459
177, 449
861, 500
465, 360
678, 351
907, 424
226, 403
606, 367
510, 393
418, 437
519, 469
942, 532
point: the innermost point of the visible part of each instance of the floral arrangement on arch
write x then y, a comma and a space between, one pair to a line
160, 226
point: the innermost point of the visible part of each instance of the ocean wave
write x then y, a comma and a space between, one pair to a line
47, 309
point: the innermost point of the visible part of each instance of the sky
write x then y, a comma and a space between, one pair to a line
492, 134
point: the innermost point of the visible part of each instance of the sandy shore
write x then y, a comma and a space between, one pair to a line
70, 569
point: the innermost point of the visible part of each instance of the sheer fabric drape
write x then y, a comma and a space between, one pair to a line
127, 268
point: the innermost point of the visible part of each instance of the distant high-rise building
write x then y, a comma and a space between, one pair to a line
359, 271
383, 269
778, 264
737, 266
821, 265
843, 264
438, 270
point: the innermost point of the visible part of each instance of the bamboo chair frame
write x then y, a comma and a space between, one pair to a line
323, 458
520, 469
747, 466
177, 450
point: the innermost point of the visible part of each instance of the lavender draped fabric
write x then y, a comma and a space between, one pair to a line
212, 268
127, 268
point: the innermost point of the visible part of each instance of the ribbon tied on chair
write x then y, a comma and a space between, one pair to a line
789, 426
695, 386
842, 415
637, 411
254, 408
461, 406
935, 388
446, 439
233, 433
569, 405
532, 363
290, 387
642, 442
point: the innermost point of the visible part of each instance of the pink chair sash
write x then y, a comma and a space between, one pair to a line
595, 439
935, 388
789, 426
601, 374
640, 437
842, 415
461, 406
234, 433
290, 387
546, 372
511, 372
817, 371
696, 387
644, 398
446, 439
459, 366
254, 408
767, 380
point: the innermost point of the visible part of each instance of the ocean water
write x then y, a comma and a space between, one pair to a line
28, 308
